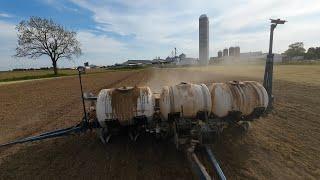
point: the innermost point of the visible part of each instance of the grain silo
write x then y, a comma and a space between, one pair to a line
203, 39
237, 51
231, 51
225, 52
219, 54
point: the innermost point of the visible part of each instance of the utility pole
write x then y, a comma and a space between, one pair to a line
268, 73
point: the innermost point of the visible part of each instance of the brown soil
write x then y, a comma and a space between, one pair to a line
283, 145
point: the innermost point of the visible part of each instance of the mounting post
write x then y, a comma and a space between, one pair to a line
268, 73
82, 70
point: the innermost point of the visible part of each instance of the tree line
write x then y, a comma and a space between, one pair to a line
297, 49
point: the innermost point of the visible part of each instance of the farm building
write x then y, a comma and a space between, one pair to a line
184, 60
137, 63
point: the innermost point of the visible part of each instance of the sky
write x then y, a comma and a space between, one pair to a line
114, 31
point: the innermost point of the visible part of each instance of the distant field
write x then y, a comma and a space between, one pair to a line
290, 72
38, 74
9, 76
295, 73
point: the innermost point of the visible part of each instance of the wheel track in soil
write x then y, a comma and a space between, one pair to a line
63, 110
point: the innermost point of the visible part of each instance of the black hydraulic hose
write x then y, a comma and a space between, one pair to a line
52, 134
199, 168
215, 163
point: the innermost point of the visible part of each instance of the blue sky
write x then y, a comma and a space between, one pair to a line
114, 31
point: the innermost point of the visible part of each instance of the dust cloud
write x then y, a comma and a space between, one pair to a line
230, 68
173, 76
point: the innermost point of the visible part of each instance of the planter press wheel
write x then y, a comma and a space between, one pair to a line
104, 135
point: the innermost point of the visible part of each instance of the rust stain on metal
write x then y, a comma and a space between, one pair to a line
185, 87
245, 96
236, 101
188, 108
255, 99
212, 94
239, 93
124, 102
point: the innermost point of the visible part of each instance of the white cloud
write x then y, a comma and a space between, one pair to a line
59, 5
100, 49
7, 32
5, 15
7, 46
175, 23
93, 43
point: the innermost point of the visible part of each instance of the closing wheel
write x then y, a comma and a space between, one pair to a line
103, 135
134, 135
244, 125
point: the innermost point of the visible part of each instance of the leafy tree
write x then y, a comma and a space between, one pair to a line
313, 53
38, 36
295, 49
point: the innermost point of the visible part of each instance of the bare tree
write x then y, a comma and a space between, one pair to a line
38, 36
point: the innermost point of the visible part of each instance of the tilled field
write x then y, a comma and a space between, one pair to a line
283, 145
